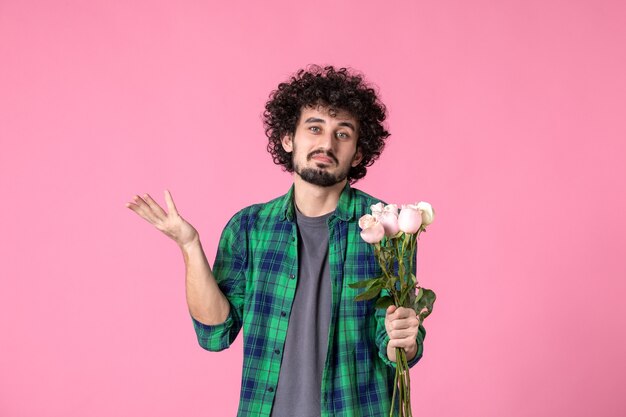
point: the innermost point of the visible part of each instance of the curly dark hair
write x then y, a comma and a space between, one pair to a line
339, 89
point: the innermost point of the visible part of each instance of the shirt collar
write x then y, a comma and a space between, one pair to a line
344, 211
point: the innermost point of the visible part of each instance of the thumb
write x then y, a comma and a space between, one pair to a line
391, 309
171, 207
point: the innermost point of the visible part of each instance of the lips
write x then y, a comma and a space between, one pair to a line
323, 159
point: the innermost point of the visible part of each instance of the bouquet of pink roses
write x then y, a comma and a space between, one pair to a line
394, 236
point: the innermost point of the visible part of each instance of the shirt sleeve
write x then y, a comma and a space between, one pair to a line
229, 271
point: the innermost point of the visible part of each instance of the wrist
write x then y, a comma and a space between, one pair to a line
192, 245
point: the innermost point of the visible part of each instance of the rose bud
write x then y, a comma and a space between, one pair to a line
410, 219
428, 213
389, 220
373, 231
377, 209
391, 208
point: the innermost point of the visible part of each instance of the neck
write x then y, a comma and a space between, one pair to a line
313, 200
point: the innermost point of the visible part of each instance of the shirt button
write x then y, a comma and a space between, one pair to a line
283, 314
270, 389
292, 276
277, 351
293, 238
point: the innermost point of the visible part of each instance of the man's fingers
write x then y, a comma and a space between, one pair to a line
402, 343
399, 324
399, 313
156, 209
171, 207
141, 208
404, 312
402, 334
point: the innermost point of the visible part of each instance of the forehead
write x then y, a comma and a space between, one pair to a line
326, 113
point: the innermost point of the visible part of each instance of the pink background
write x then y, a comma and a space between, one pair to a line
508, 116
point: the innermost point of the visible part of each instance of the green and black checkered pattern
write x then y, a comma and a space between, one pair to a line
257, 269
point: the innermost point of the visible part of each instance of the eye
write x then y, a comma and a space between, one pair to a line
343, 135
314, 129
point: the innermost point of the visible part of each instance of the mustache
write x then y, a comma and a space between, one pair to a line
326, 153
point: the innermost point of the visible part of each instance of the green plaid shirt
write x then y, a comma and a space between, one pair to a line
256, 267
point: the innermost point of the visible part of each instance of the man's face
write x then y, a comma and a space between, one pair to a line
324, 146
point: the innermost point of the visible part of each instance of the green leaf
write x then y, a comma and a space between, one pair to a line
369, 294
392, 282
384, 302
425, 303
419, 295
364, 283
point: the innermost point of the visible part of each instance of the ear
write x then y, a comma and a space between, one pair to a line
287, 143
358, 157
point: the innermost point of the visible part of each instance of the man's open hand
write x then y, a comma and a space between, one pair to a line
171, 223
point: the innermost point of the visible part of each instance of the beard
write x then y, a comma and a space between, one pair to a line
319, 176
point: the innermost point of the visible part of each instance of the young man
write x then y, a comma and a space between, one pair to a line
283, 268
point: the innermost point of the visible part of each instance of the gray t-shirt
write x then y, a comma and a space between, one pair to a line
300, 381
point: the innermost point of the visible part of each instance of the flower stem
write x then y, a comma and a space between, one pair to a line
401, 385
395, 386
408, 388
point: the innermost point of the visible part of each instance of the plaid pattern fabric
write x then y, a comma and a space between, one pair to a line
257, 269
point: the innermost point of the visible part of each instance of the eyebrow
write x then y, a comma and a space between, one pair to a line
316, 120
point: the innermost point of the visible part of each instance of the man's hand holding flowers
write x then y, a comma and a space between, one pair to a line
402, 325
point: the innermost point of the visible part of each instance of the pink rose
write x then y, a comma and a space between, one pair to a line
409, 219
391, 208
389, 220
377, 209
373, 231
428, 213
367, 221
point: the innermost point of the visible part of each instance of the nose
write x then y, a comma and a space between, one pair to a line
325, 140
